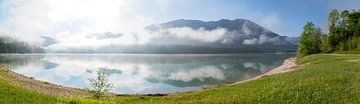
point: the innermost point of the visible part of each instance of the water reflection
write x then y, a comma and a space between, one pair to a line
144, 73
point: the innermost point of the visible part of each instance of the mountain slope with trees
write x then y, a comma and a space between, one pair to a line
11, 45
197, 37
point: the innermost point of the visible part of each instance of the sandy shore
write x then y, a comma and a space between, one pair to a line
40, 86
288, 65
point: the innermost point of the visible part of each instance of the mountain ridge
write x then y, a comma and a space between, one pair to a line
246, 28
196, 36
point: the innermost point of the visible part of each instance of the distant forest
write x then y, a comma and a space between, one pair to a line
344, 34
11, 45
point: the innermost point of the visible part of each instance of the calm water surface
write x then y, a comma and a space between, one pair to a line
143, 73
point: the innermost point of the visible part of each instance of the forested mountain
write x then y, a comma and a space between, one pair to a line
11, 45
196, 36
238, 31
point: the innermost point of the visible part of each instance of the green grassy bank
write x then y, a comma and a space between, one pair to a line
323, 78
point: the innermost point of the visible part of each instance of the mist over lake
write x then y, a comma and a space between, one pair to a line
144, 73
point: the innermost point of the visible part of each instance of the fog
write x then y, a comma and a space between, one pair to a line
58, 25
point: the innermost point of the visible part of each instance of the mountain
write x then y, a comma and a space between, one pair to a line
196, 36
241, 36
240, 31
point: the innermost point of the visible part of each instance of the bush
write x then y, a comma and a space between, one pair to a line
100, 84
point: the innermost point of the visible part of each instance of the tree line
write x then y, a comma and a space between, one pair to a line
11, 45
344, 34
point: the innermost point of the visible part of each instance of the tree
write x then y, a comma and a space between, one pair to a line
310, 40
316, 40
344, 34
333, 21
100, 85
326, 46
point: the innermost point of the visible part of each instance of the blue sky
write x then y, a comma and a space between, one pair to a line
285, 17
71, 20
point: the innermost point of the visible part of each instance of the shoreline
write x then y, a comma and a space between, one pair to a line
287, 66
63, 91
41, 86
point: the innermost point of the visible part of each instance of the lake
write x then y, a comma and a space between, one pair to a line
143, 73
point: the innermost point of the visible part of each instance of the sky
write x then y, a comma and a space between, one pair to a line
73, 20
285, 17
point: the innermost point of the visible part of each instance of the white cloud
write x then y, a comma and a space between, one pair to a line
260, 40
271, 21
71, 22
29, 20
179, 35
250, 41
198, 34
275, 24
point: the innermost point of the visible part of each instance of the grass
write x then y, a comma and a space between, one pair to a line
348, 52
324, 78
11, 94
15, 95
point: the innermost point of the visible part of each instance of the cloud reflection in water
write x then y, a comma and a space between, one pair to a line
141, 74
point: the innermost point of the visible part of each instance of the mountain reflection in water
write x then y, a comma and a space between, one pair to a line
144, 73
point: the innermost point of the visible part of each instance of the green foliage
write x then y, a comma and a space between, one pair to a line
100, 85
325, 45
344, 31
344, 34
310, 40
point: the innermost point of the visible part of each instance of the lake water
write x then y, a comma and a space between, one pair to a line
143, 73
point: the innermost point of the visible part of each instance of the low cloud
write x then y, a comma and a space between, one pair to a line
260, 40
162, 36
187, 33
107, 35
99, 23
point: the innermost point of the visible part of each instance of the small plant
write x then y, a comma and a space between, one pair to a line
100, 84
